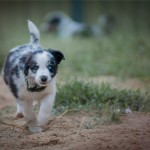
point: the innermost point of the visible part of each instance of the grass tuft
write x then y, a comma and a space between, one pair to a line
108, 102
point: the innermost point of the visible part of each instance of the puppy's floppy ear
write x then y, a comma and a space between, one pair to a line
57, 55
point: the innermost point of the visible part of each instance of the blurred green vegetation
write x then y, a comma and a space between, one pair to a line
124, 53
78, 94
107, 104
120, 54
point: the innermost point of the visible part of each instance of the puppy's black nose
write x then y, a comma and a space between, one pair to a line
44, 78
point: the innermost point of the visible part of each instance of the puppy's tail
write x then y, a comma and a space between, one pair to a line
35, 34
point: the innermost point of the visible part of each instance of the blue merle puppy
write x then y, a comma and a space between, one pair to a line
30, 73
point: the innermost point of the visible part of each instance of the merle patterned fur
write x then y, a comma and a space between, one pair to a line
19, 59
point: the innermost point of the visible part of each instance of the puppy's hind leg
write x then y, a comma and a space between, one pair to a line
19, 113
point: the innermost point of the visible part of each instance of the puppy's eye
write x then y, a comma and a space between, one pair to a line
50, 68
34, 69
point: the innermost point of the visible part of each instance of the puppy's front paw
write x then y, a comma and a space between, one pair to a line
18, 116
35, 129
34, 126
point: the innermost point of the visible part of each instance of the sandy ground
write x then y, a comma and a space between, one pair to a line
70, 132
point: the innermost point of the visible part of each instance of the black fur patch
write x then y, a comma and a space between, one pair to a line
23, 62
13, 87
52, 66
35, 39
29, 60
55, 20
57, 55
9, 72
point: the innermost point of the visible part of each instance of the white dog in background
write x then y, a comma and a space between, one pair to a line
62, 25
30, 73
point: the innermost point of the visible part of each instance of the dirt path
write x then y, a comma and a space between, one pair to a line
70, 132
67, 133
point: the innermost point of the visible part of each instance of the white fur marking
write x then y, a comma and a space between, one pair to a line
35, 35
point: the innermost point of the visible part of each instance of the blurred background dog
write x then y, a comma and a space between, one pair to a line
63, 25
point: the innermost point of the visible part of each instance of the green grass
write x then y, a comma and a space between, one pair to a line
81, 94
107, 103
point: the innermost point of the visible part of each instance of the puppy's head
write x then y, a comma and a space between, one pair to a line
41, 66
